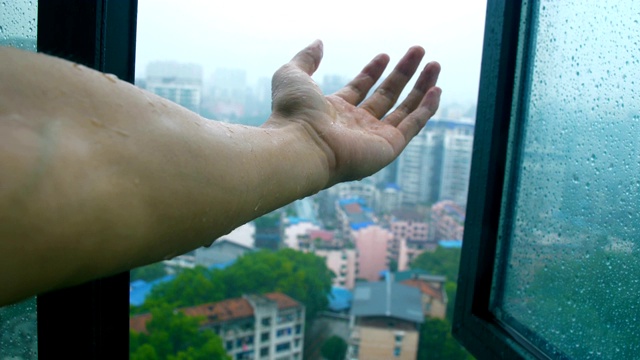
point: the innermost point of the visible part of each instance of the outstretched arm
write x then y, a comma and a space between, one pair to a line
98, 176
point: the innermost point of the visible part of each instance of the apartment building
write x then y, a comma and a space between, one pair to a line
269, 326
385, 321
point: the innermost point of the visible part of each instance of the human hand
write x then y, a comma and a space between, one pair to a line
354, 134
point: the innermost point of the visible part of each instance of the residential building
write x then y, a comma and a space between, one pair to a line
372, 242
434, 296
388, 198
435, 165
353, 214
268, 231
408, 250
269, 326
365, 190
447, 221
295, 232
178, 82
456, 161
418, 167
410, 237
222, 251
315, 239
385, 321
343, 263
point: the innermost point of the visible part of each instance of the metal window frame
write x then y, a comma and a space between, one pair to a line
503, 84
94, 316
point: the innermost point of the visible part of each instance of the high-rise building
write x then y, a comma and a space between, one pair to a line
180, 83
456, 162
436, 163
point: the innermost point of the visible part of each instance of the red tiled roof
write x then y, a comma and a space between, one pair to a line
284, 302
425, 288
225, 310
222, 310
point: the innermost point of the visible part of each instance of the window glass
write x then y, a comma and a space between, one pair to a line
18, 322
569, 276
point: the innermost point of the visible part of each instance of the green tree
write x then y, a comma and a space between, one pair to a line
335, 348
304, 277
173, 335
443, 261
190, 287
437, 343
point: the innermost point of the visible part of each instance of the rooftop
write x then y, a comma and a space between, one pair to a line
221, 311
387, 298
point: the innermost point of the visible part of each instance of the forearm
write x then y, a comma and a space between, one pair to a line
99, 176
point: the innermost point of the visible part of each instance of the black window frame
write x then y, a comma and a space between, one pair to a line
94, 316
503, 79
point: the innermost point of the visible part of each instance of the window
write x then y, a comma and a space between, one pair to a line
264, 336
283, 347
264, 352
550, 253
266, 321
396, 351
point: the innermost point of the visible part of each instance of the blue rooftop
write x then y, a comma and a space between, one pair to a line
340, 299
450, 244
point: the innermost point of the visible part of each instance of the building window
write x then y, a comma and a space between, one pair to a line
396, 351
264, 336
229, 345
549, 257
264, 351
283, 347
298, 329
266, 321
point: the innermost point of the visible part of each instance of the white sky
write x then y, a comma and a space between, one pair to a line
259, 36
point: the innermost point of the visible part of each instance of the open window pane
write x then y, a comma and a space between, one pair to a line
569, 275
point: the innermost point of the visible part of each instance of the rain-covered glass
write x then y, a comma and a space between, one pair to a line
570, 275
18, 322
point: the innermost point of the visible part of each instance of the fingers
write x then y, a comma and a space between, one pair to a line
308, 59
387, 94
411, 125
359, 87
428, 79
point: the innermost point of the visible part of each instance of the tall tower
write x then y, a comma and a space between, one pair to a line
457, 149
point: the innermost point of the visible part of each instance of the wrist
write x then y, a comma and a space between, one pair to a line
308, 151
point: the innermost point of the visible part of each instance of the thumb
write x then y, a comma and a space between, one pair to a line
308, 59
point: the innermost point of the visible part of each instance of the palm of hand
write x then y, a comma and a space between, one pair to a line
347, 127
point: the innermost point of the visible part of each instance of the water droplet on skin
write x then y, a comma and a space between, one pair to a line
121, 133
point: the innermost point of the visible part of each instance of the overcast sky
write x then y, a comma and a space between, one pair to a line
259, 36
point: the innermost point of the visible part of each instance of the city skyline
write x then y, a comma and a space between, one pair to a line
262, 39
